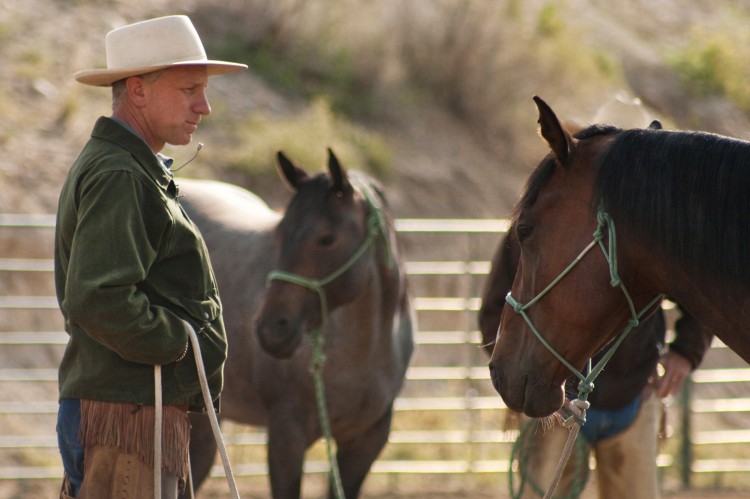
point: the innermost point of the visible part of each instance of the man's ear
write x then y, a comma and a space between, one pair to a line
136, 88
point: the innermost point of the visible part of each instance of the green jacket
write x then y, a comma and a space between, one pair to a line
130, 269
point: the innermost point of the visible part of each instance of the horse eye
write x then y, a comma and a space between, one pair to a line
327, 240
523, 232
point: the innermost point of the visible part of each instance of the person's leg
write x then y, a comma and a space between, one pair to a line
626, 462
71, 451
111, 473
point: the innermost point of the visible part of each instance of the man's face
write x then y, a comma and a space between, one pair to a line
176, 103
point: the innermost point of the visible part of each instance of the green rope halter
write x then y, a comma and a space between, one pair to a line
586, 384
376, 224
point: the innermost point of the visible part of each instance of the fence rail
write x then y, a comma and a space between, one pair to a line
446, 285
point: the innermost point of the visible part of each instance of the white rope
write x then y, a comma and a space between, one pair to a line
212, 414
158, 418
573, 424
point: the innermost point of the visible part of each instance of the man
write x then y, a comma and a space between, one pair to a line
132, 273
623, 420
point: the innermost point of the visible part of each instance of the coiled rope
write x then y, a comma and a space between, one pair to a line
524, 448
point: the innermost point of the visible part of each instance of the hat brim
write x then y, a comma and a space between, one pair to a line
106, 77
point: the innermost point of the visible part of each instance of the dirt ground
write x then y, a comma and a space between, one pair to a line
218, 489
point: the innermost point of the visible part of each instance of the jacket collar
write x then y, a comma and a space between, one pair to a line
114, 132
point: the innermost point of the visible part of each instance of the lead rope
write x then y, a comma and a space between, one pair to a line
586, 385
211, 416
158, 416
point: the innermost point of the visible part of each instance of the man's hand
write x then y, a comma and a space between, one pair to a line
676, 369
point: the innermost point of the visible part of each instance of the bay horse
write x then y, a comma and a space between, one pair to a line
367, 329
667, 209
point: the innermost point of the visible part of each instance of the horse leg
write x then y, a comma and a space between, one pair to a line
286, 455
202, 450
355, 457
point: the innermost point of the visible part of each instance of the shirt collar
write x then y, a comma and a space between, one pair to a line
164, 161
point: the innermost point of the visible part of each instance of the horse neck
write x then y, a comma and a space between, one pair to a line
723, 308
383, 294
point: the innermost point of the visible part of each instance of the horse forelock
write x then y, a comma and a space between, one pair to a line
685, 193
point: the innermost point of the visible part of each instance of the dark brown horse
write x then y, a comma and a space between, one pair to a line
611, 220
367, 334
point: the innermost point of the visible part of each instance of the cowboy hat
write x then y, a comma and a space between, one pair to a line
152, 45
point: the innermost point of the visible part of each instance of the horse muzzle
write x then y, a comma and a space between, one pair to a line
525, 393
278, 336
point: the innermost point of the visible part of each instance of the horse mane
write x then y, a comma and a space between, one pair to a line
373, 191
685, 193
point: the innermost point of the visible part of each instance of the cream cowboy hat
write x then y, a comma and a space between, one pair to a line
152, 45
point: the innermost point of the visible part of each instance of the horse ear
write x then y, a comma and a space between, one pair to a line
559, 139
655, 125
290, 174
338, 174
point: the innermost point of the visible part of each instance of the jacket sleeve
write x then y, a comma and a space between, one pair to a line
120, 227
692, 339
496, 287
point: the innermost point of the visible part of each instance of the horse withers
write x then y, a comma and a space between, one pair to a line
364, 313
610, 221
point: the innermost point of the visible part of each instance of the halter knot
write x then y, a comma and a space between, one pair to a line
517, 306
585, 387
318, 356
577, 408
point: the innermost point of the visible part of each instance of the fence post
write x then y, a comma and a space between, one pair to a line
686, 451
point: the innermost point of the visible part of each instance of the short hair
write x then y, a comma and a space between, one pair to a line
119, 89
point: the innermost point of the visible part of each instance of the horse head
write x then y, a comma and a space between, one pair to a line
563, 286
322, 257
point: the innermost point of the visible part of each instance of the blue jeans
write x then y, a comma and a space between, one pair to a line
602, 424
71, 451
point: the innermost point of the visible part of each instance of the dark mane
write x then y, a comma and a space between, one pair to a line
688, 193
544, 170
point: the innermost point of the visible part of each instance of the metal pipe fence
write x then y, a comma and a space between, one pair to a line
448, 420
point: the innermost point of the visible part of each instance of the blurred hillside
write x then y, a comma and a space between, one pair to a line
431, 96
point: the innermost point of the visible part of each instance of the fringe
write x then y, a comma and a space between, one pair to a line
130, 428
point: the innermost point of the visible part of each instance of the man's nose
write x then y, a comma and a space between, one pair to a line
202, 106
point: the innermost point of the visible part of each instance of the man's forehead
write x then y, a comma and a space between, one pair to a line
187, 74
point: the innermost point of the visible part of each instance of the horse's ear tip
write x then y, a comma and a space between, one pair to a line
656, 125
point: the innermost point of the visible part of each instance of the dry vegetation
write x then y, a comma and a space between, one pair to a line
431, 96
